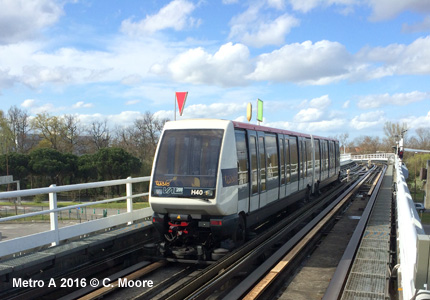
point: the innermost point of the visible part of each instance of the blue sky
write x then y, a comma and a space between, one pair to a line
326, 67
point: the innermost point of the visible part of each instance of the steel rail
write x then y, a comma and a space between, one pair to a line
114, 285
204, 284
338, 280
259, 272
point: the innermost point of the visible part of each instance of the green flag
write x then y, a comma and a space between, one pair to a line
259, 110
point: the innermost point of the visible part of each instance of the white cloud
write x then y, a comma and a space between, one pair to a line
417, 27
308, 115
124, 118
319, 63
415, 122
255, 29
82, 104
28, 103
307, 5
132, 79
278, 4
388, 9
346, 104
227, 67
366, 120
375, 101
320, 127
21, 20
174, 15
321, 102
395, 59
132, 102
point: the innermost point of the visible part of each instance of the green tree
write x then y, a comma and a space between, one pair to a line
115, 163
17, 163
87, 170
46, 163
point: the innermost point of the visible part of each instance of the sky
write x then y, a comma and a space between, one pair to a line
325, 67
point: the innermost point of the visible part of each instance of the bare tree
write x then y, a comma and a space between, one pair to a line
343, 138
423, 138
393, 132
20, 126
72, 132
367, 144
100, 135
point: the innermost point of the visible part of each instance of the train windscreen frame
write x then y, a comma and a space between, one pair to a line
187, 163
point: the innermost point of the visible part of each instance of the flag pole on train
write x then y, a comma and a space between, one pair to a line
181, 97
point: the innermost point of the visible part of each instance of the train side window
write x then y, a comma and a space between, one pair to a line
337, 154
272, 162
262, 152
332, 156
302, 159
308, 143
287, 160
254, 166
317, 155
325, 162
294, 159
281, 158
242, 158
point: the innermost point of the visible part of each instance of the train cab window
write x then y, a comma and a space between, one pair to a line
272, 162
254, 165
281, 159
262, 152
294, 159
188, 158
242, 158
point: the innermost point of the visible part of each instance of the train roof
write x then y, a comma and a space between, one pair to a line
276, 130
220, 123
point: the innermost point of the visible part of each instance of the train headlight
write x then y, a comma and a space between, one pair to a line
209, 193
158, 192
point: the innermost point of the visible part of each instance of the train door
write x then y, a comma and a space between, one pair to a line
302, 163
272, 167
253, 171
243, 188
287, 165
262, 168
282, 169
293, 164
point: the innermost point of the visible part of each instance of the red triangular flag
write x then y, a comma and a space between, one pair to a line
181, 97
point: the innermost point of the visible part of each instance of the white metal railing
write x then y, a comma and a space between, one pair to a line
376, 156
56, 234
409, 231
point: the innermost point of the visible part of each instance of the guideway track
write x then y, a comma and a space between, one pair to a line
214, 276
285, 256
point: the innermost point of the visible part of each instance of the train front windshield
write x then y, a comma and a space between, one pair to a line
187, 163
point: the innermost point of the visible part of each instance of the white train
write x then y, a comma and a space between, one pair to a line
213, 179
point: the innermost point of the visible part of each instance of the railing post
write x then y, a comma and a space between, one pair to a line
54, 216
129, 193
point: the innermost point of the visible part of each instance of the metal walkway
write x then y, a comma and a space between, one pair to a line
369, 273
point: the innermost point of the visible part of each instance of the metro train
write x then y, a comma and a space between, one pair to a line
212, 180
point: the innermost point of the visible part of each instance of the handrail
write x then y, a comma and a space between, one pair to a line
56, 234
409, 228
